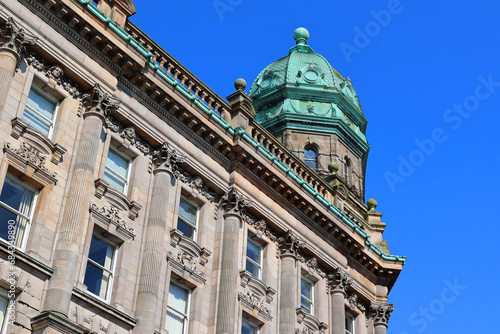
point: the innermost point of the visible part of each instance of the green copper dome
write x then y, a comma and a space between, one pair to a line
304, 84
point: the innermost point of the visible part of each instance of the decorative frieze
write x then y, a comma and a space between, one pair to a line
31, 162
381, 313
54, 72
98, 101
108, 217
260, 225
128, 134
255, 305
196, 183
291, 245
339, 280
233, 202
15, 38
166, 157
313, 265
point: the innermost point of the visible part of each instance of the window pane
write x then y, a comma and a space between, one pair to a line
305, 304
41, 104
93, 279
36, 122
253, 269
4, 226
113, 181
253, 252
312, 164
3, 309
174, 323
101, 252
248, 329
16, 196
309, 154
185, 228
177, 298
118, 164
187, 212
306, 289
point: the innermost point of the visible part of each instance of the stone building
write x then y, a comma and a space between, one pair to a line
134, 199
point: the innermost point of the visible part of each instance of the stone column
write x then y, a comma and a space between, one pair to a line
381, 314
232, 203
290, 246
164, 160
67, 252
338, 283
13, 42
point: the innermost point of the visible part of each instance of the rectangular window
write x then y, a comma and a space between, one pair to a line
17, 201
40, 111
100, 267
349, 324
307, 295
249, 328
188, 219
254, 258
4, 304
177, 309
117, 170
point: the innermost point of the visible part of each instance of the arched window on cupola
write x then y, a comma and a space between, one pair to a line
347, 170
311, 157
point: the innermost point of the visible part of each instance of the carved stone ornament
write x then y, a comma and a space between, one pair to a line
167, 158
313, 264
109, 219
196, 183
339, 281
15, 38
186, 266
381, 313
128, 133
233, 202
30, 162
354, 302
54, 72
98, 101
260, 225
311, 325
253, 302
291, 245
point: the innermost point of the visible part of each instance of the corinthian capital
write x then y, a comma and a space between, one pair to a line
99, 102
233, 202
381, 313
339, 281
167, 158
15, 38
291, 245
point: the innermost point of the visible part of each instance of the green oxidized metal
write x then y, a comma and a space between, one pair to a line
302, 90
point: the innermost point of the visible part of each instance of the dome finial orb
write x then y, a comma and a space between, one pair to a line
301, 35
240, 84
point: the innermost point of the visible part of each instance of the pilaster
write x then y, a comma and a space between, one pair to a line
13, 42
290, 247
232, 204
338, 283
67, 252
165, 160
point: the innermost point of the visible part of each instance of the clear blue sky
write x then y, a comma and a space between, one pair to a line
413, 72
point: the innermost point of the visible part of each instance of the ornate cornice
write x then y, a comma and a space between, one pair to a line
54, 72
167, 158
128, 133
291, 245
99, 102
109, 215
15, 38
260, 225
233, 202
381, 313
254, 302
339, 281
